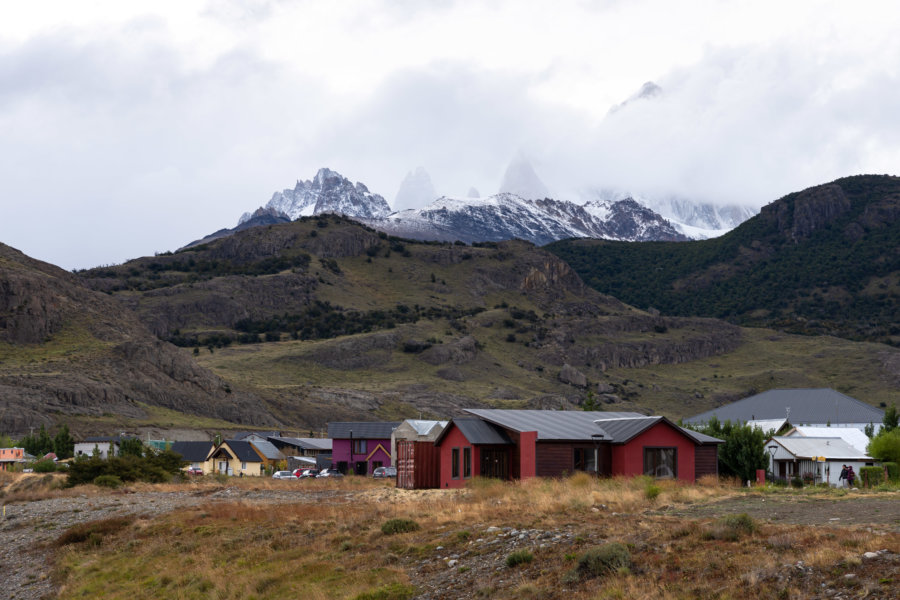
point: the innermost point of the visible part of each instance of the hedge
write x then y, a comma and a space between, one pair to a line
871, 476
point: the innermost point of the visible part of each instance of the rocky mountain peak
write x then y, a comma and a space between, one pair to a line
415, 191
522, 180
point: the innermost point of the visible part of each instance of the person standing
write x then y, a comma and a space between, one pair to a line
850, 476
843, 477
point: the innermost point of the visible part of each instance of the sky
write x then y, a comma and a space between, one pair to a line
128, 128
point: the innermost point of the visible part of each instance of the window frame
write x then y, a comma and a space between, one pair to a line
660, 449
467, 462
454, 463
359, 446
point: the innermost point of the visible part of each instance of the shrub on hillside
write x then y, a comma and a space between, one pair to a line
110, 481
731, 528
394, 526
155, 467
44, 466
519, 557
603, 560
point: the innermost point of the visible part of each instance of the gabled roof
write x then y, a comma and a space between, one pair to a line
832, 448
305, 443
243, 451
556, 425
362, 430
477, 431
267, 449
851, 435
768, 425
423, 427
192, 451
807, 405
620, 431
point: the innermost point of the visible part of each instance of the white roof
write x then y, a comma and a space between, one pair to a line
851, 435
768, 425
424, 427
832, 448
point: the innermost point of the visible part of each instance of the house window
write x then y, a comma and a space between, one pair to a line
376, 464
660, 462
454, 463
359, 446
586, 460
243, 466
467, 462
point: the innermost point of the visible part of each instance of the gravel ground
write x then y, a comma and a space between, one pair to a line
27, 528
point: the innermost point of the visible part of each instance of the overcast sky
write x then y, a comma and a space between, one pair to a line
133, 127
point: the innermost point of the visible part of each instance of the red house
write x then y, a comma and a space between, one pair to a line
515, 444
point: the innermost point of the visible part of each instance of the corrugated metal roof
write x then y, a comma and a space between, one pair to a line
768, 425
851, 435
369, 430
305, 443
243, 451
807, 405
267, 449
192, 451
240, 435
621, 430
831, 448
551, 424
478, 431
424, 427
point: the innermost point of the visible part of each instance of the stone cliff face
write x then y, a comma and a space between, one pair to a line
809, 211
68, 350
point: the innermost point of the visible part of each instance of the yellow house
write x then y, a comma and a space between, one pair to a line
234, 457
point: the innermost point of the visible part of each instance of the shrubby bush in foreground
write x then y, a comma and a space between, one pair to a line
153, 467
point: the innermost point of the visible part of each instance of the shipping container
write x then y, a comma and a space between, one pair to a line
418, 465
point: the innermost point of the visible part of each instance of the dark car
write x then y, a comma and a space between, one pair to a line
383, 472
306, 473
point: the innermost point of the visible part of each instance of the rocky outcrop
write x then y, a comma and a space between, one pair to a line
808, 211
572, 376
458, 352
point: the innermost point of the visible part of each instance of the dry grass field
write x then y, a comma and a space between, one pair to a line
571, 538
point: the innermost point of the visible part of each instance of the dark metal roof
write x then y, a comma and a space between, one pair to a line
368, 430
477, 431
240, 435
807, 405
192, 451
305, 443
550, 425
267, 449
243, 451
621, 431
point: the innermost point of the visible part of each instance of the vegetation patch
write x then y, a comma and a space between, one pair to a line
94, 532
519, 557
395, 526
607, 559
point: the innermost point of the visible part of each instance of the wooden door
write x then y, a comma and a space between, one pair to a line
495, 463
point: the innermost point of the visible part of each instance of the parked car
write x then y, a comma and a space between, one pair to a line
383, 472
194, 471
329, 473
283, 475
306, 473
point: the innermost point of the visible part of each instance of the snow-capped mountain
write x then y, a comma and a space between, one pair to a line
505, 216
416, 190
327, 192
697, 220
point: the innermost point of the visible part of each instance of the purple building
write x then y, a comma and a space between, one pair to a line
361, 447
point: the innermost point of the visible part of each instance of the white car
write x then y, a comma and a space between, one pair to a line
283, 475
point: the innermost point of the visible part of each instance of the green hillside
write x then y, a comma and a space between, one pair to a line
822, 261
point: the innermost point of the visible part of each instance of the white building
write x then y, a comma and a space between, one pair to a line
820, 458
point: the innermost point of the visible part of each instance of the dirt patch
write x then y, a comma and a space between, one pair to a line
882, 511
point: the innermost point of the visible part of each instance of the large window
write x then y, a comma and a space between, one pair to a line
454, 463
467, 462
359, 446
660, 462
586, 460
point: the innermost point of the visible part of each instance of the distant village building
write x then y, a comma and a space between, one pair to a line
194, 454
101, 444
815, 407
10, 457
362, 446
814, 459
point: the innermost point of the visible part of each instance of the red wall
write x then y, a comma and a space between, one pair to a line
628, 459
527, 454
454, 438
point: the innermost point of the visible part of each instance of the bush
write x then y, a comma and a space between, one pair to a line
651, 491
399, 526
519, 557
870, 476
731, 528
392, 591
796, 482
603, 560
44, 466
94, 531
110, 481
893, 470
